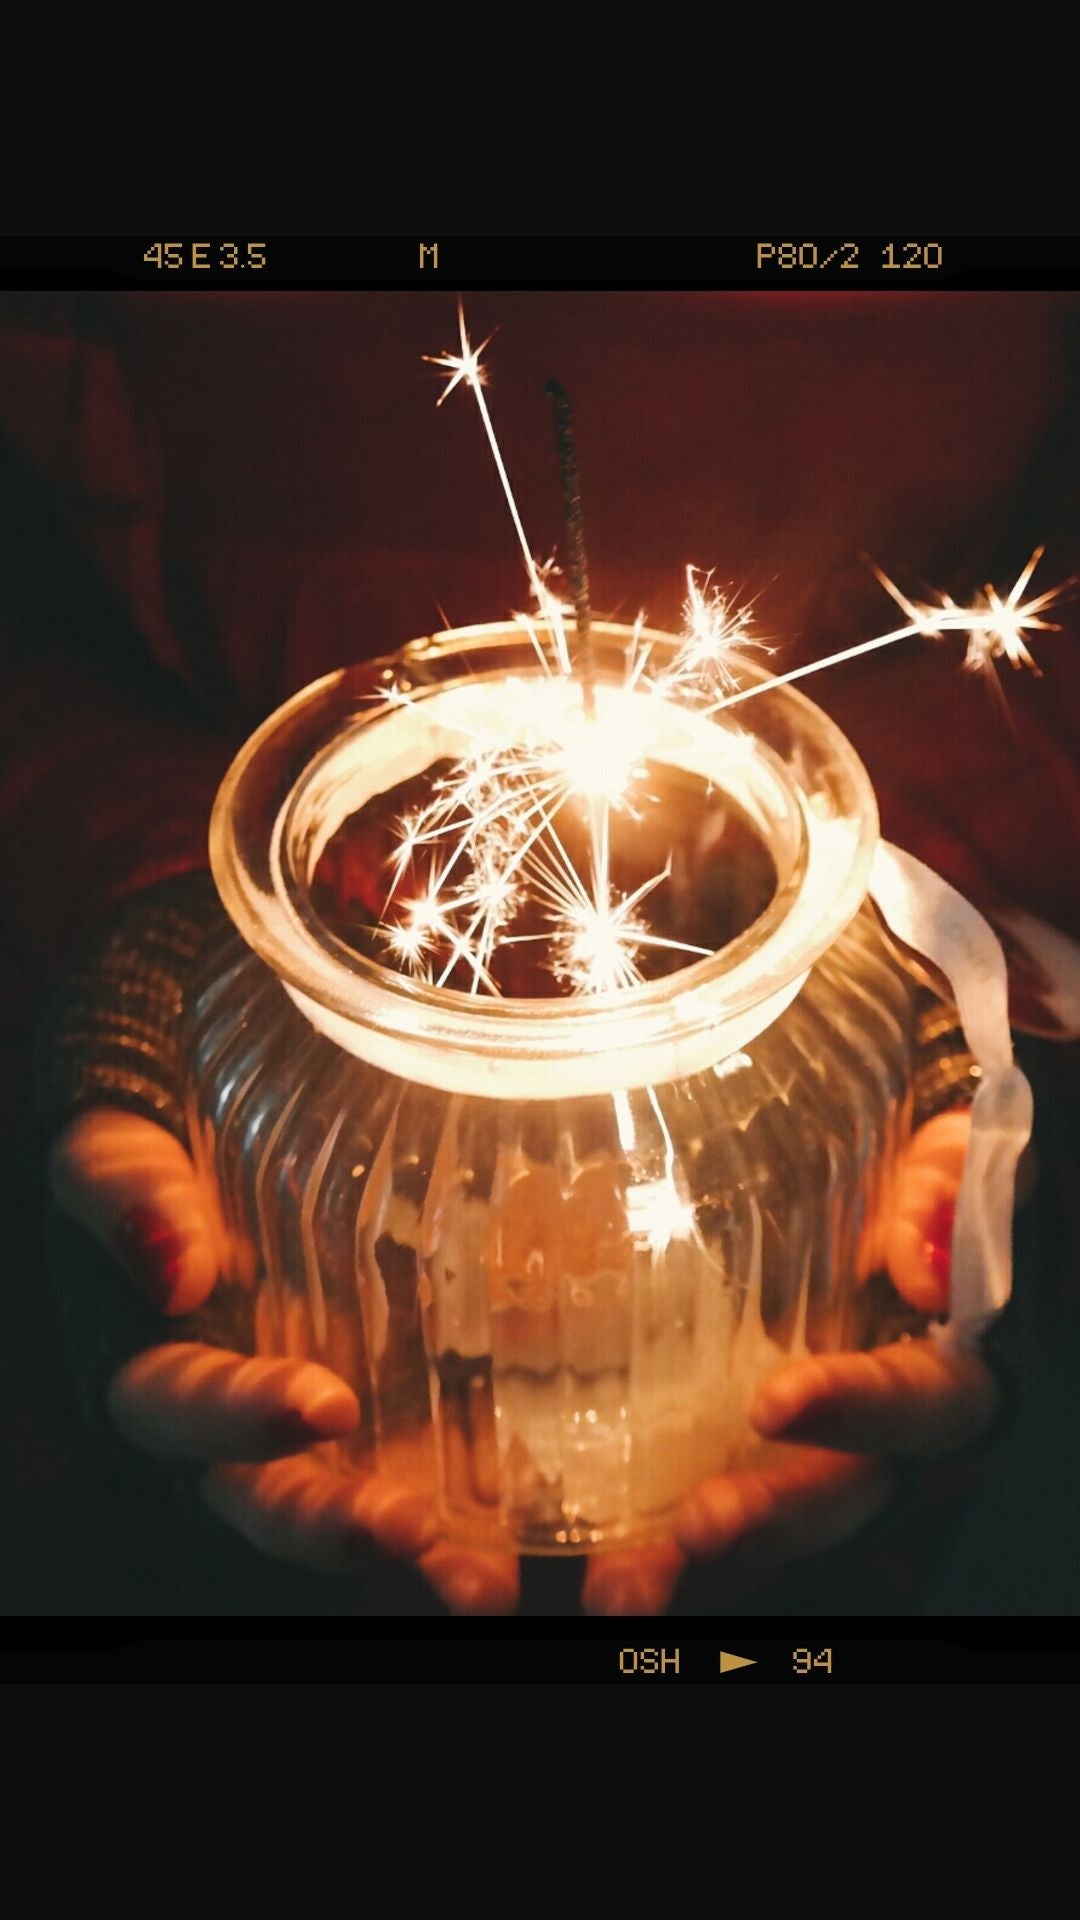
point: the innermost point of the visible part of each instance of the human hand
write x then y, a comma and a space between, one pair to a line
855, 1418
254, 1426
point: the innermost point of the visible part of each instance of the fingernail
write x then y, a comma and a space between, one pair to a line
329, 1406
938, 1244
151, 1250
773, 1410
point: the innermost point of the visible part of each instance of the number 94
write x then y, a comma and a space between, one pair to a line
804, 1661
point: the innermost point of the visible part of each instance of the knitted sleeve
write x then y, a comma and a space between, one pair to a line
111, 1035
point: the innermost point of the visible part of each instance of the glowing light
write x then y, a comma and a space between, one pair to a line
657, 1213
488, 834
466, 366
596, 945
461, 366
711, 632
995, 630
596, 762
1002, 636
423, 928
495, 812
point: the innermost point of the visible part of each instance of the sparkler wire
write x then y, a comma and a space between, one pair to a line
577, 570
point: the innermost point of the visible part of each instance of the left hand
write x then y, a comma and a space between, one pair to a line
253, 1428
853, 1418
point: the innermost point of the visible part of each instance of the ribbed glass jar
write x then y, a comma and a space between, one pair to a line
554, 1244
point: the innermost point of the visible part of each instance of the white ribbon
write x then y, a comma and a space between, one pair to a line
931, 917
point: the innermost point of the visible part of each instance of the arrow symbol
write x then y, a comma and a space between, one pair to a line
729, 1662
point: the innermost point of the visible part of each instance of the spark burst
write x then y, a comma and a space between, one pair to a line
487, 842
490, 828
712, 630
995, 629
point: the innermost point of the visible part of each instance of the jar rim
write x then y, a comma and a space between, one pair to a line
264, 841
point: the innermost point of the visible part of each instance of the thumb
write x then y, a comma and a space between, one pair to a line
131, 1184
918, 1230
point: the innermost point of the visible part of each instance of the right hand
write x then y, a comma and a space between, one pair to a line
899, 1419
248, 1422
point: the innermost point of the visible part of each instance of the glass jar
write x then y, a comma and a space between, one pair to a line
555, 1243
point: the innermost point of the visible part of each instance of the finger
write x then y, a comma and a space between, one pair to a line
306, 1512
470, 1580
942, 1141
758, 1521
192, 1402
134, 1188
639, 1580
915, 1399
195, 1402
917, 1236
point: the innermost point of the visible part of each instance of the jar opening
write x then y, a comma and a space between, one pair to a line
781, 787
730, 777
686, 864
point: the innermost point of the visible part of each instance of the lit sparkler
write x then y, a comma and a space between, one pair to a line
466, 366
491, 826
499, 807
486, 842
995, 629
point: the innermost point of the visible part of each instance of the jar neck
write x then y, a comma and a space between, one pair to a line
791, 774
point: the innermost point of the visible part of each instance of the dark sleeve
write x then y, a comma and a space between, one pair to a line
112, 1035
110, 762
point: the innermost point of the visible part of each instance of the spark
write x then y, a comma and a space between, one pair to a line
599, 932
657, 1210
995, 627
461, 366
485, 844
596, 945
422, 930
712, 629
493, 816
995, 630
497, 810
1001, 635
657, 1213
466, 366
